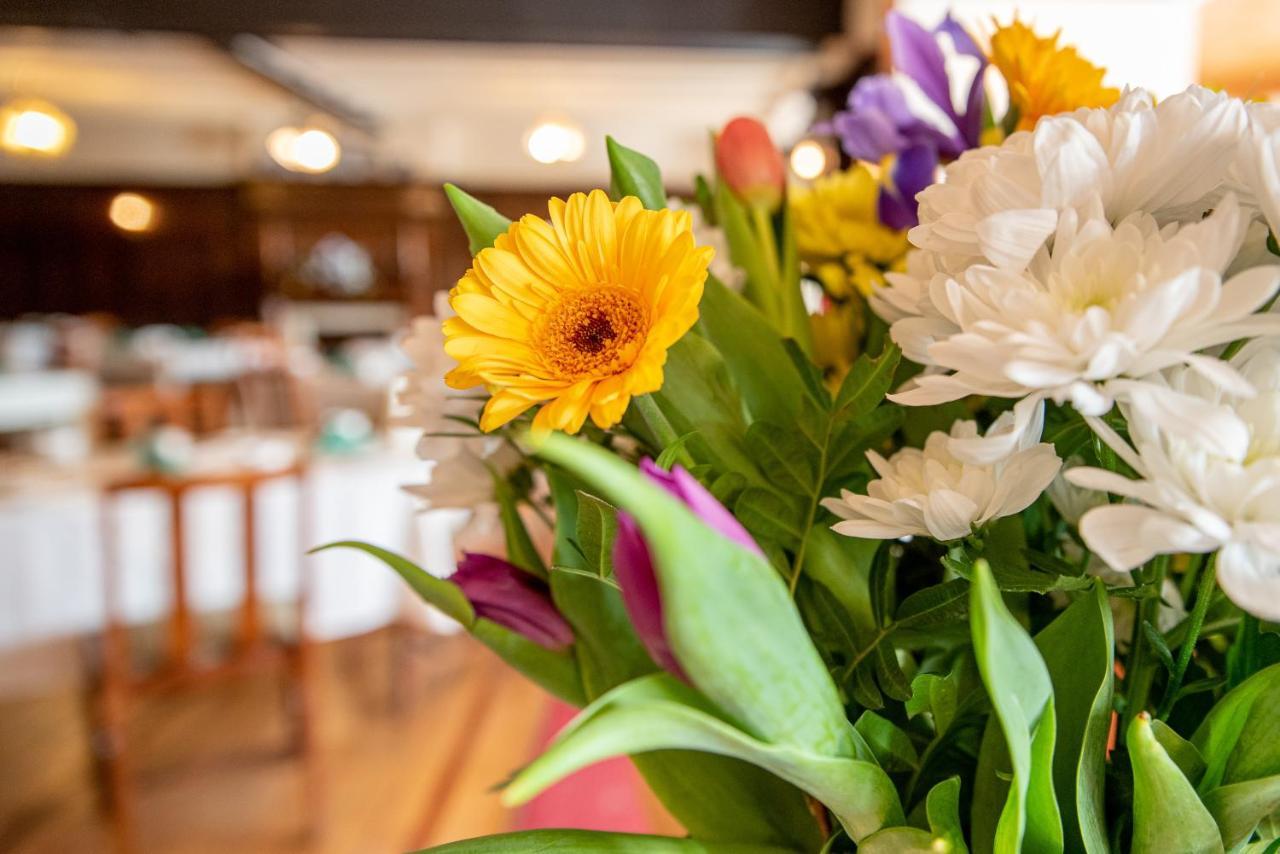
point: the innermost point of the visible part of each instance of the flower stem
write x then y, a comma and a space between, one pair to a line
1141, 668
768, 242
1195, 623
663, 432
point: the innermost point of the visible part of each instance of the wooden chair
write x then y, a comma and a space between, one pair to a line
114, 683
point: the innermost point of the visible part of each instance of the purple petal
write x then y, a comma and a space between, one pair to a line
970, 123
511, 597
915, 52
633, 570
912, 171
685, 486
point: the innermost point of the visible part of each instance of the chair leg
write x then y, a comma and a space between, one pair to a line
113, 766
301, 709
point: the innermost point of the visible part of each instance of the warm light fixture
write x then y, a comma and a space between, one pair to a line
132, 213
35, 128
554, 142
311, 150
809, 159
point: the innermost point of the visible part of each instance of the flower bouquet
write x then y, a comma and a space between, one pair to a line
961, 537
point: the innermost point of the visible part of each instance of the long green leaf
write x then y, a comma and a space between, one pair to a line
729, 617
595, 842
557, 672
1078, 650
481, 222
658, 712
439, 592
942, 807
520, 549
1167, 813
1238, 807
1240, 737
1021, 695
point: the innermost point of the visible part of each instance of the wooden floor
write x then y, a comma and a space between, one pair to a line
214, 775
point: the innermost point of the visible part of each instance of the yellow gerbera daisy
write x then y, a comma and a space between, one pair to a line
1045, 79
576, 313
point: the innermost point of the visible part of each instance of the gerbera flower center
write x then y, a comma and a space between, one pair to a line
593, 332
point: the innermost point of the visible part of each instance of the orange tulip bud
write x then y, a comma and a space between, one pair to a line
750, 163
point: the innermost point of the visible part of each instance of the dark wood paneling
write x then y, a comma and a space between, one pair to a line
59, 252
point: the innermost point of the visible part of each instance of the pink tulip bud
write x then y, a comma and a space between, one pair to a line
750, 163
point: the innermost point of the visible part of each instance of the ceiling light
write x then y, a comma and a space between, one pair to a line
35, 128
132, 213
310, 150
809, 159
554, 142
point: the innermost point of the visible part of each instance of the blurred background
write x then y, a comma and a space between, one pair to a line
216, 222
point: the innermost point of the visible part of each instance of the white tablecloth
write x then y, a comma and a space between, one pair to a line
51, 582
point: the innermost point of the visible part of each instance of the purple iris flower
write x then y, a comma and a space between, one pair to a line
633, 563
879, 121
509, 596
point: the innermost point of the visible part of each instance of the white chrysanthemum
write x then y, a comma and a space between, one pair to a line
1257, 173
460, 474
1219, 493
931, 493
1077, 259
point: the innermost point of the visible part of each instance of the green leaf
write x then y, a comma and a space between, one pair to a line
439, 592
941, 603
1021, 694
891, 746
659, 712
760, 288
1078, 651
596, 842
1167, 813
597, 527
937, 695
1238, 807
868, 381
671, 453
729, 616
769, 516
1156, 641
555, 671
809, 372
1182, 752
1239, 738
843, 566
520, 549
942, 807
633, 174
753, 352
481, 222
784, 455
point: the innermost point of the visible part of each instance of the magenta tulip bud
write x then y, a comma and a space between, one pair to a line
633, 562
509, 596
750, 163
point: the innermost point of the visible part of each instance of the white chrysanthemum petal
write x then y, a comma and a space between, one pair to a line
1251, 578
1011, 238
1127, 535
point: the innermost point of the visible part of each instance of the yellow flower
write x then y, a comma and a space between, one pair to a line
1045, 79
839, 235
577, 313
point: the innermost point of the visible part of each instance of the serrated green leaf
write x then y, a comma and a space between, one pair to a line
940, 603
481, 222
787, 459
769, 516
937, 695
809, 372
633, 174
1167, 813
597, 527
868, 381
